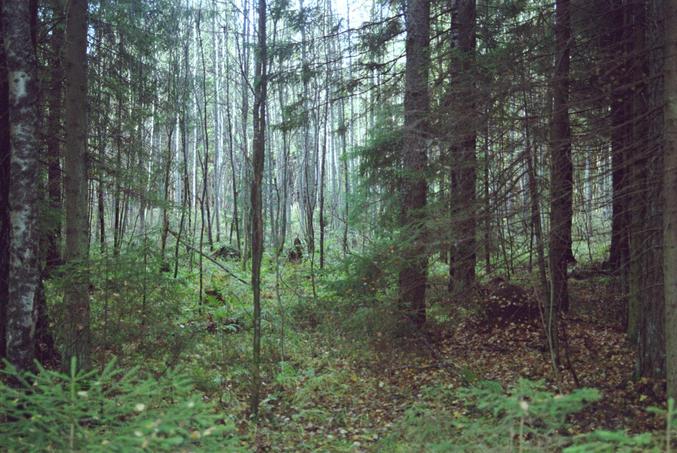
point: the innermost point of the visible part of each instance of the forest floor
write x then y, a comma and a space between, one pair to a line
352, 403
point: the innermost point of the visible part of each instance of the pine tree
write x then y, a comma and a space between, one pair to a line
413, 275
76, 293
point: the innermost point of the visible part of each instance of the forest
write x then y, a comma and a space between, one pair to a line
325, 225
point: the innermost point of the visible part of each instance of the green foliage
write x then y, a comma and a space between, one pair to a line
374, 39
294, 116
602, 441
530, 399
364, 291
108, 411
334, 386
365, 275
381, 156
288, 375
135, 307
486, 418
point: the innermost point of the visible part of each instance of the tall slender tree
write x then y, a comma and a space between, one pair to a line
53, 138
258, 159
618, 46
670, 198
76, 291
463, 154
646, 313
5, 155
413, 275
561, 171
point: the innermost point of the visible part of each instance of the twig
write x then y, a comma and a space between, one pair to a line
567, 353
433, 366
221, 266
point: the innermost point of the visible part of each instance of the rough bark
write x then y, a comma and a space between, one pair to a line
53, 138
646, 241
561, 171
258, 159
76, 295
463, 256
629, 152
5, 154
670, 200
48, 253
621, 140
24, 183
413, 275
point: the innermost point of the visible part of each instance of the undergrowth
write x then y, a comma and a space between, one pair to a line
323, 389
112, 410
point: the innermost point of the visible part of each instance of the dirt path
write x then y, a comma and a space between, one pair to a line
360, 402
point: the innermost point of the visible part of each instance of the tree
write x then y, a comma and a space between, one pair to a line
54, 136
463, 159
670, 199
561, 176
5, 156
258, 158
413, 275
645, 229
76, 291
23, 186
619, 46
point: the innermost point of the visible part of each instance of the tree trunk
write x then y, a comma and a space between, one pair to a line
561, 171
413, 275
5, 155
646, 226
534, 197
76, 291
346, 179
235, 222
205, 210
244, 165
619, 50
258, 158
118, 203
670, 198
167, 200
185, 203
101, 211
217, 124
487, 199
53, 138
24, 182
464, 160
323, 165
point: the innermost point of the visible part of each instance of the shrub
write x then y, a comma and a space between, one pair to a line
108, 411
135, 307
603, 441
484, 417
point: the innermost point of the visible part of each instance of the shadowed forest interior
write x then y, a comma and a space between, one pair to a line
324, 225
